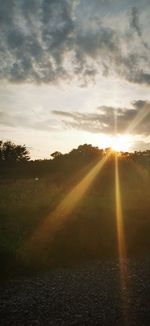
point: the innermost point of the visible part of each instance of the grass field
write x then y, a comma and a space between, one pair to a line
88, 232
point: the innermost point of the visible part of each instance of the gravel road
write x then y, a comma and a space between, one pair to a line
87, 295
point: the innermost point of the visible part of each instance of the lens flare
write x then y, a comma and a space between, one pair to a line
142, 114
119, 216
43, 235
121, 143
121, 244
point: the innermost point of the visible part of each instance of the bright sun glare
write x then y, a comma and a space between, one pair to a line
121, 143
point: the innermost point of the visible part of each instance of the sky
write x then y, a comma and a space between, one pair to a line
75, 72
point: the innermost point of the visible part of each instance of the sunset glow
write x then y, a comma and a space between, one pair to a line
121, 143
62, 86
74, 161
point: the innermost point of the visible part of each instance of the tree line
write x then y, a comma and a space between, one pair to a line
11, 153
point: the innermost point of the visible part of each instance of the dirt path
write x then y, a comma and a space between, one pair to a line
87, 295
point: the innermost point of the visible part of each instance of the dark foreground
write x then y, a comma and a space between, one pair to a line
87, 295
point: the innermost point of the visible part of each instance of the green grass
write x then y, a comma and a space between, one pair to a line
23, 204
89, 231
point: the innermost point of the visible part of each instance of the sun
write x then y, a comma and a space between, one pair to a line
121, 143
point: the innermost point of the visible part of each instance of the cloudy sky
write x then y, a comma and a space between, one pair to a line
74, 72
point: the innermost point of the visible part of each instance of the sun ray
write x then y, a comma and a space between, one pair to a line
141, 115
123, 142
121, 244
119, 215
43, 235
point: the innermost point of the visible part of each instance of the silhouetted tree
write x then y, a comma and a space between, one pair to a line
1, 150
87, 151
56, 154
9, 152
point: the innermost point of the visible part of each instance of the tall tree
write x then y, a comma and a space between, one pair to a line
9, 152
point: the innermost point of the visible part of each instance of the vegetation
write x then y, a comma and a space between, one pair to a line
9, 152
30, 191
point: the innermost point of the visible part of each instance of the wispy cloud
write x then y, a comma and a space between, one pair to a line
135, 23
103, 120
36, 122
135, 119
142, 145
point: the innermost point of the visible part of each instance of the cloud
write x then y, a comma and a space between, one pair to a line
136, 26
50, 41
30, 120
103, 120
35, 37
135, 120
135, 23
140, 146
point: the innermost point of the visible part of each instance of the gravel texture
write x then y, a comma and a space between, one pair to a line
85, 295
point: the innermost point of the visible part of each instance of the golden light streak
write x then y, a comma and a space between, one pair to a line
119, 215
123, 142
44, 234
121, 244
